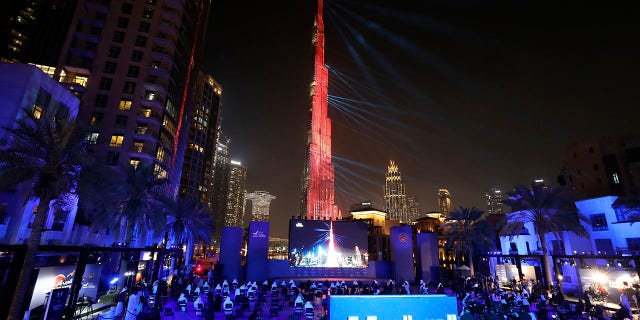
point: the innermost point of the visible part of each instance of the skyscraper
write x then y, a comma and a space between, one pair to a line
136, 59
494, 201
395, 199
413, 208
34, 31
260, 202
220, 188
197, 171
444, 202
318, 178
235, 201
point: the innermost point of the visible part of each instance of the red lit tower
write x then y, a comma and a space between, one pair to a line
318, 192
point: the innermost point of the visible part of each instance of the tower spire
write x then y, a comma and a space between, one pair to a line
318, 182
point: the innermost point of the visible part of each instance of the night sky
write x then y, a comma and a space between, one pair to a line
462, 95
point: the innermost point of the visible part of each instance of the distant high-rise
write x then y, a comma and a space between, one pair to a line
220, 188
395, 199
235, 201
494, 201
260, 202
444, 201
196, 181
413, 208
34, 31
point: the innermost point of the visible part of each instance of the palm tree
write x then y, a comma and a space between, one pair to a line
551, 211
47, 153
467, 231
189, 222
139, 206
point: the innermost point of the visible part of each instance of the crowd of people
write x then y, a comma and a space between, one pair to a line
479, 297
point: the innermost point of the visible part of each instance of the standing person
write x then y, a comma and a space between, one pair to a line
133, 307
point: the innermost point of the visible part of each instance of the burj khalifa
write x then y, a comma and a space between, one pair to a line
317, 199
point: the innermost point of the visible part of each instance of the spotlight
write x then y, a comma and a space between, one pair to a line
114, 280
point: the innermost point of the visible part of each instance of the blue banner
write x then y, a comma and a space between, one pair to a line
392, 307
428, 256
402, 253
257, 251
230, 257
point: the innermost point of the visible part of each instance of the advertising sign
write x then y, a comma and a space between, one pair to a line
56, 304
392, 307
50, 278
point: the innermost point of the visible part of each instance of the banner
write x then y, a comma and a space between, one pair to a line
428, 256
393, 307
50, 278
402, 253
257, 251
230, 257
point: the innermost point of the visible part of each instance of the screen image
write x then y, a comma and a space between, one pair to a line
328, 244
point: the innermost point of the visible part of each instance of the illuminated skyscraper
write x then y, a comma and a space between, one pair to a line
197, 171
34, 31
444, 202
221, 169
235, 201
318, 178
494, 201
395, 199
260, 202
413, 208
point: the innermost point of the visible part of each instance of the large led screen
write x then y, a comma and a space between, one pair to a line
328, 244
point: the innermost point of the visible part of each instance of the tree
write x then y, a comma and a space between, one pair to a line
139, 203
468, 232
46, 152
551, 211
189, 222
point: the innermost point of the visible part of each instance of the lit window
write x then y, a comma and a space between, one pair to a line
125, 104
161, 154
616, 179
92, 137
37, 111
116, 141
599, 222
160, 173
141, 129
134, 162
96, 118
138, 146
145, 112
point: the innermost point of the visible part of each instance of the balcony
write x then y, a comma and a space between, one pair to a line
168, 28
157, 105
92, 22
93, 6
151, 117
171, 16
158, 71
87, 37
